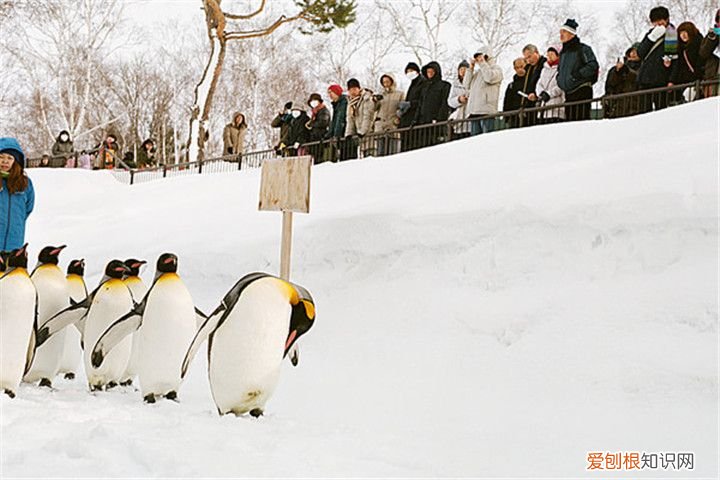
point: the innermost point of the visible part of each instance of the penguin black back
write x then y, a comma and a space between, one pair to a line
77, 267
116, 269
167, 263
50, 255
18, 258
134, 266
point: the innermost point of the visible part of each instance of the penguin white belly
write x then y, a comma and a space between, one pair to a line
112, 301
168, 328
72, 352
52, 291
138, 289
246, 351
17, 313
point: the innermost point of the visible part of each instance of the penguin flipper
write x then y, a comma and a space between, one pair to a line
121, 328
32, 347
70, 315
208, 326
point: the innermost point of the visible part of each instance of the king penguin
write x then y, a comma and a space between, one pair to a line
253, 329
138, 289
53, 296
72, 353
18, 319
164, 323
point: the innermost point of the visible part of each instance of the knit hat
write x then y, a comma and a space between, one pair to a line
336, 89
288, 105
12, 147
570, 26
353, 83
315, 96
464, 63
412, 66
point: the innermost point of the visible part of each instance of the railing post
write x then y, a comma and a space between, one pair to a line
448, 132
164, 170
521, 115
132, 177
240, 160
200, 165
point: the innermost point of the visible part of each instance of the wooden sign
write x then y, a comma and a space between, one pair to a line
285, 184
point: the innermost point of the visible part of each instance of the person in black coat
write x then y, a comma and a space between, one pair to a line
282, 121
689, 66
577, 72
317, 126
433, 98
513, 99
408, 109
534, 63
622, 78
298, 132
337, 148
656, 65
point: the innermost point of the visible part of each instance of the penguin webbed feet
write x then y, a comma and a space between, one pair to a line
256, 412
149, 398
127, 383
110, 386
9, 393
70, 376
171, 395
45, 382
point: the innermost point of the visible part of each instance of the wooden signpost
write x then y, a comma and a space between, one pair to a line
285, 187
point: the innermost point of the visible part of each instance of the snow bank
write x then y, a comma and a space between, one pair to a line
498, 306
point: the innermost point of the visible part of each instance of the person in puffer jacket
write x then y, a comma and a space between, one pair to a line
387, 106
547, 89
482, 81
17, 195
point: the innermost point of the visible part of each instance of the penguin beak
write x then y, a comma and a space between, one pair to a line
58, 250
139, 264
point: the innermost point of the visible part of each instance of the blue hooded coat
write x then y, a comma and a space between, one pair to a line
14, 208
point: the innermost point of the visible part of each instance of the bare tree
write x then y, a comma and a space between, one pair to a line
420, 25
500, 24
224, 27
700, 12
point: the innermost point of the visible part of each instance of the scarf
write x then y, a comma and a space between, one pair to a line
671, 42
317, 109
4, 174
552, 64
354, 103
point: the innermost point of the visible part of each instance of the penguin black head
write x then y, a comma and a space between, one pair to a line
302, 316
116, 269
134, 266
77, 267
2, 262
167, 263
18, 258
50, 255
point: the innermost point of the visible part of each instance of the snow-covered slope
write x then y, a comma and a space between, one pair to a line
499, 306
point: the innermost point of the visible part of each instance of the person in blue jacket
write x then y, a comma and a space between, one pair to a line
17, 196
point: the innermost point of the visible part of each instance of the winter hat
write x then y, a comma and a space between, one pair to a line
464, 63
386, 75
570, 26
555, 48
412, 66
12, 147
315, 96
484, 50
288, 105
659, 13
353, 83
336, 89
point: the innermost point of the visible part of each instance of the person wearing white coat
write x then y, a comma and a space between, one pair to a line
458, 102
482, 81
547, 89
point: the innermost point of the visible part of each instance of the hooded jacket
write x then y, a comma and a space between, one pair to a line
578, 66
14, 208
413, 98
360, 115
62, 149
386, 109
234, 136
434, 97
548, 83
483, 84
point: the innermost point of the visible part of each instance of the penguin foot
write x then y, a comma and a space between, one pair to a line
96, 388
149, 398
171, 395
45, 382
256, 412
9, 393
110, 385
126, 383
70, 376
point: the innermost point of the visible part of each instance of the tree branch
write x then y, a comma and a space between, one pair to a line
265, 31
232, 16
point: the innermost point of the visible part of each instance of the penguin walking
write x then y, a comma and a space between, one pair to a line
138, 289
53, 296
163, 324
72, 353
257, 323
18, 319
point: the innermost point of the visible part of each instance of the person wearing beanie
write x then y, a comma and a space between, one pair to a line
386, 114
710, 54
360, 115
578, 71
657, 51
483, 81
409, 107
335, 150
622, 79
547, 90
282, 121
63, 146
17, 195
458, 103
317, 125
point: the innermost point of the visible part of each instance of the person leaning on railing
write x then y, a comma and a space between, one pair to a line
658, 52
710, 54
317, 126
360, 114
512, 100
577, 72
409, 107
622, 78
689, 66
334, 150
63, 147
386, 115
547, 90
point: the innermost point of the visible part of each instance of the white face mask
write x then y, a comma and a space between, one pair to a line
412, 75
295, 113
63, 138
314, 103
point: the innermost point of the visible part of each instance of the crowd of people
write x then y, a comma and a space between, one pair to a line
105, 155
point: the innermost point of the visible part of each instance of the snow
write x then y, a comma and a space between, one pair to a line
499, 306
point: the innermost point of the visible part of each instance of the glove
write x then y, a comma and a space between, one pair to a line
296, 145
656, 33
545, 97
716, 30
377, 97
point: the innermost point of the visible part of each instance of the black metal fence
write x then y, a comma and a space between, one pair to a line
421, 136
